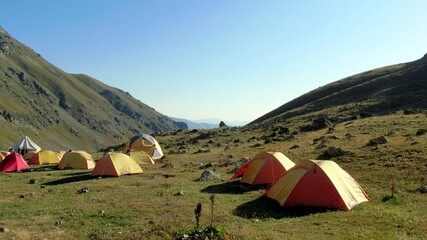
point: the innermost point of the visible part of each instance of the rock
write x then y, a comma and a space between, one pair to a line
84, 190
294, 146
32, 181
334, 151
222, 124
377, 141
421, 132
281, 130
179, 193
4, 230
422, 189
209, 175
317, 123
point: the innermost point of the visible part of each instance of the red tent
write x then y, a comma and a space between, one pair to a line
13, 163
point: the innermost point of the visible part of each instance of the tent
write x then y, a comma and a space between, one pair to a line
264, 168
76, 160
317, 183
3, 154
26, 143
45, 157
13, 163
140, 157
116, 164
28, 155
146, 143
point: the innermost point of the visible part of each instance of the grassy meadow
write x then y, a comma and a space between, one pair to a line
148, 206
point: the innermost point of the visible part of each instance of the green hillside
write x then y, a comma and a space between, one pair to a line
376, 92
60, 110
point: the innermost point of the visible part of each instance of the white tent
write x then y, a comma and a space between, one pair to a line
26, 143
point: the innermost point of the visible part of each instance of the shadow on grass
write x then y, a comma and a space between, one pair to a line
44, 168
71, 179
264, 207
235, 187
77, 173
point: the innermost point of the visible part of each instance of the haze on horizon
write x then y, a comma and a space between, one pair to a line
229, 60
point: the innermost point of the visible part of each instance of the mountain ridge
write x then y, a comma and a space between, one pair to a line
378, 91
62, 110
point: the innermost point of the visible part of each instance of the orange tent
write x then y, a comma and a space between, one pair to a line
317, 183
264, 168
116, 164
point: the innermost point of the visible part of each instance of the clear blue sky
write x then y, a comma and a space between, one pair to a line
225, 59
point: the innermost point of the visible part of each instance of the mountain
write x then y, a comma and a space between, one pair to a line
195, 125
207, 123
59, 110
376, 92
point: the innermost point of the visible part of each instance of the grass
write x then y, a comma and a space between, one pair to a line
146, 206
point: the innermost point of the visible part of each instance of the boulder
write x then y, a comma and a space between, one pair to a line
421, 132
377, 141
209, 175
334, 151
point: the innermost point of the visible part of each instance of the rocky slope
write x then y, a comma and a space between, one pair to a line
60, 110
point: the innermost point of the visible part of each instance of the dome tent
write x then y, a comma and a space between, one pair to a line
264, 168
140, 157
76, 160
45, 157
116, 164
317, 183
13, 162
146, 143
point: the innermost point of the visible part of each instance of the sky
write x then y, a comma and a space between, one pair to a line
222, 59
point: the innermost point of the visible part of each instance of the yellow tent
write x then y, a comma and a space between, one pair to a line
264, 168
140, 157
45, 157
116, 164
3, 154
146, 143
76, 160
317, 183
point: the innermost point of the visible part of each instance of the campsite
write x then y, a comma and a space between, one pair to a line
160, 202
213, 120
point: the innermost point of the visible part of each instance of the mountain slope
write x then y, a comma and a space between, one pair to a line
195, 125
379, 91
61, 110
